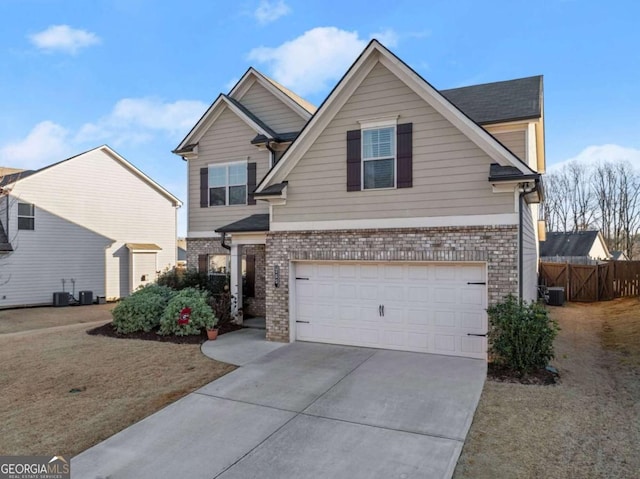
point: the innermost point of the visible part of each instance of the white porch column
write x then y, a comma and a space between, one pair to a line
236, 281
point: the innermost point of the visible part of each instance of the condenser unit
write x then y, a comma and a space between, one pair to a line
61, 299
86, 297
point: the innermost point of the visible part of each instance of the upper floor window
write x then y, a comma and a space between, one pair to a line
228, 184
379, 158
26, 216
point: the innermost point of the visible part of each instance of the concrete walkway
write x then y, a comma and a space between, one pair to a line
306, 410
240, 347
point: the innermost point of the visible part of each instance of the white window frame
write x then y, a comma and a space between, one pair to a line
379, 125
32, 216
228, 185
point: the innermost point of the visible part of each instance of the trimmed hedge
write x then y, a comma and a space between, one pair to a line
202, 316
521, 334
142, 310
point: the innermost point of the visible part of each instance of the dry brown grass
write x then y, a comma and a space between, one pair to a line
122, 381
25, 319
587, 426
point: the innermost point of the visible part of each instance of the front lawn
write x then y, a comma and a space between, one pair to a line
587, 425
116, 382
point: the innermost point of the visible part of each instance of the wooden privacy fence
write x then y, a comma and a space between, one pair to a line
597, 282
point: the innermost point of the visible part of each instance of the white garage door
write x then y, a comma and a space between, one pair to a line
431, 308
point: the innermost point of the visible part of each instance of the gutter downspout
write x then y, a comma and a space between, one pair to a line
521, 196
223, 237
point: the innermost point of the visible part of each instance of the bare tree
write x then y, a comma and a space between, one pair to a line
605, 196
581, 199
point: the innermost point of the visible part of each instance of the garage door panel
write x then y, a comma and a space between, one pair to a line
445, 295
427, 307
368, 291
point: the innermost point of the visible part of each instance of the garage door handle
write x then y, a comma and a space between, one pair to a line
307, 279
305, 322
481, 335
471, 282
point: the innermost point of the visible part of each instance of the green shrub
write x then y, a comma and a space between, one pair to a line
221, 304
201, 314
521, 334
142, 310
192, 278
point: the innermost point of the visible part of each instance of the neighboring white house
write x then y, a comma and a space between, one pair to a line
93, 222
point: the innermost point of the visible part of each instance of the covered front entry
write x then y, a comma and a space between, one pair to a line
423, 307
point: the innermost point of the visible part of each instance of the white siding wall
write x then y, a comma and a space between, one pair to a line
530, 253
271, 110
100, 197
229, 139
56, 250
449, 171
598, 250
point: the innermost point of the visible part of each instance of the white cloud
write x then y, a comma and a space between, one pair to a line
268, 12
231, 83
46, 143
63, 38
137, 120
309, 62
595, 154
389, 38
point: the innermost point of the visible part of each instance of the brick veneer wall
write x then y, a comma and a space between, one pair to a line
196, 246
495, 245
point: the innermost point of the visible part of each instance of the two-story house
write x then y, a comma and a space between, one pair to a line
391, 217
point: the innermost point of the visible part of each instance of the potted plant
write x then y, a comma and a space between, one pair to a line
212, 328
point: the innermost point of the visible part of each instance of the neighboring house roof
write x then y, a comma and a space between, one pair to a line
250, 223
501, 101
13, 177
619, 256
113, 154
143, 247
182, 254
5, 246
568, 244
301, 107
375, 52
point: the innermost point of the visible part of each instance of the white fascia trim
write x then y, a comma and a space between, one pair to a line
248, 238
251, 76
202, 234
430, 222
320, 120
378, 122
474, 132
245, 118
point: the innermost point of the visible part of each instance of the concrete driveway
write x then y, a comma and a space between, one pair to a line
306, 410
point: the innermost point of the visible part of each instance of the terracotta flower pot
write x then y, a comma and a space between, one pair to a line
212, 334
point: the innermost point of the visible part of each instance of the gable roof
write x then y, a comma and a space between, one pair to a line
577, 243
114, 155
498, 102
13, 177
233, 100
375, 52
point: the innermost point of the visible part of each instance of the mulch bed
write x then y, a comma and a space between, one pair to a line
109, 331
541, 377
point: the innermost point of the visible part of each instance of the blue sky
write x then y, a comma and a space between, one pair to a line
137, 74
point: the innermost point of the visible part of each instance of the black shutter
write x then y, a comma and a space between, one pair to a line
404, 137
203, 263
250, 261
204, 187
353, 160
251, 183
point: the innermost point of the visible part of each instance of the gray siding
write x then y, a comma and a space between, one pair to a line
529, 255
271, 110
228, 139
449, 171
516, 141
56, 250
102, 197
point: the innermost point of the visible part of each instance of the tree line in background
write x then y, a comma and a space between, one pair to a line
605, 196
